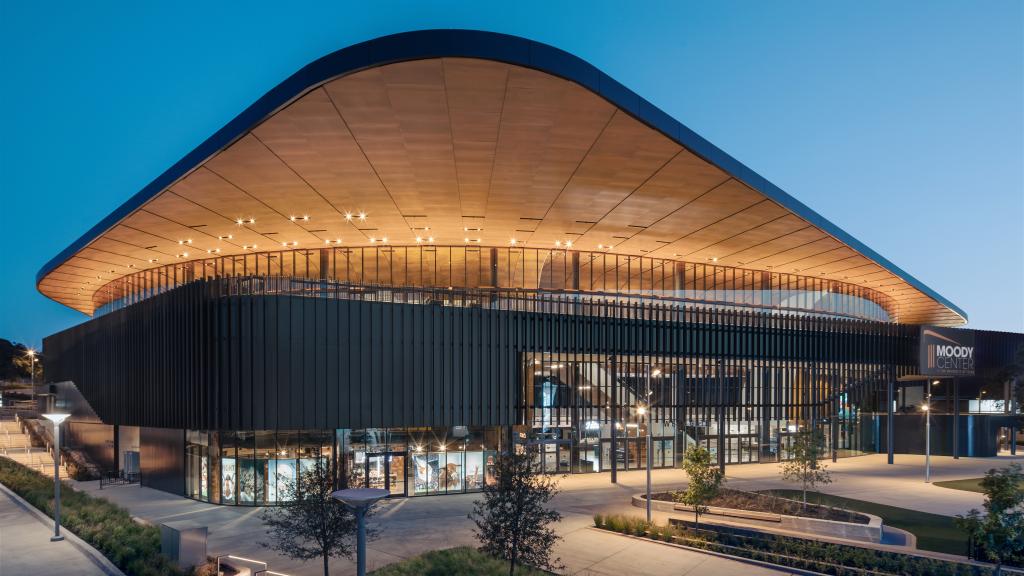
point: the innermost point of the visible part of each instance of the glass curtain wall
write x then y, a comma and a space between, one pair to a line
583, 410
257, 468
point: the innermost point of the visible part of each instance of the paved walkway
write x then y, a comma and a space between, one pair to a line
413, 525
25, 546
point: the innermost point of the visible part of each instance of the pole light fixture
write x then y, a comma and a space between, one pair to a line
359, 500
56, 419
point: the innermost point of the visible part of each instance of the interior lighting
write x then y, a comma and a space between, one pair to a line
152, 260
348, 216
225, 237
249, 247
568, 243
362, 216
713, 259
384, 240
213, 251
335, 241
558, 243
419, 240
292, 243
430, 239
513, 241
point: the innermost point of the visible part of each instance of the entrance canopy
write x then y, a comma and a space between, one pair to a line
454, 137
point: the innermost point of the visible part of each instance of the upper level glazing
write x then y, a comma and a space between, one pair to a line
593, 274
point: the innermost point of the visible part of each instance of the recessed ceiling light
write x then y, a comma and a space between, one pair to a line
384, 239
335, 241
713, 259
227, 237
512, 241
372, 240
249, 247
430, 238
213, 251
152, 260
362, 215
418, 239
292, 243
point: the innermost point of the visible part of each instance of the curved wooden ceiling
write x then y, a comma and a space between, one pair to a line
470, 148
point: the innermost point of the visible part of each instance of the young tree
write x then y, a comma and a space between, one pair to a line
804, 467
999, 533
312, 525
705, 480
513, 520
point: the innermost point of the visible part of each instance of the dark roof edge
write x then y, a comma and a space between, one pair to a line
421, 44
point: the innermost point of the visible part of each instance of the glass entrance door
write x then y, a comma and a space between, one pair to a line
396, 473
387, 472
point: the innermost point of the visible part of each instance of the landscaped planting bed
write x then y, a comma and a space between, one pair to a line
461, 561
800, 553
132, 547
740, 500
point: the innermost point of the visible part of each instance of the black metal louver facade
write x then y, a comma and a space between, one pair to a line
225, 354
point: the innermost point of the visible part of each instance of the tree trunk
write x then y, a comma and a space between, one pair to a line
696, 519
327, 570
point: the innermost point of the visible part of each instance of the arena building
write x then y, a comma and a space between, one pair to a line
427, 248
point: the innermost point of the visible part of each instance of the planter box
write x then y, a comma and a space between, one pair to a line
870, 532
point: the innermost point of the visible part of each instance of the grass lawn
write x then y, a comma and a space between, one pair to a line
461, 561
934, 532
967, 484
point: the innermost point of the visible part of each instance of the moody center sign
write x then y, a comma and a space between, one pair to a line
946, 352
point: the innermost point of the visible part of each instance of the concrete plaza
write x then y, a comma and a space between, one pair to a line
412, 525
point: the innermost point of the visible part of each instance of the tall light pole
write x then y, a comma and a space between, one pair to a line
643, 410
32, 375
359, 501
927, 407
56, 419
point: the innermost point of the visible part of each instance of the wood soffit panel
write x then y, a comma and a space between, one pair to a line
452, 144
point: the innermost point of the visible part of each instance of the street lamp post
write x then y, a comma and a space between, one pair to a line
359, 501
928, 432
643, 410
56, 419
32, 375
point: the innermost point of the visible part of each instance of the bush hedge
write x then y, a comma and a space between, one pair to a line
461, 561
132, 547
801, 553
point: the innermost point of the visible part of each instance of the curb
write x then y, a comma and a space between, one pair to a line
99, 560
761, 563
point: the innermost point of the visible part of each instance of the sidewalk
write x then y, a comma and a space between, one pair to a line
25, 546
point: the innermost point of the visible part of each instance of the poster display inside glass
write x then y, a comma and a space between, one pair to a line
227, 480
203, 478
246, 481
474, 471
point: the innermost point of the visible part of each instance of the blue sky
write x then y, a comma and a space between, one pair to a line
903, 123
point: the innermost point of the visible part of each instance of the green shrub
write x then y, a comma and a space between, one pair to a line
462, 561
132, 547
598, 520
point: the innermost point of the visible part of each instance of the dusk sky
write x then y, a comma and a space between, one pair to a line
901, 122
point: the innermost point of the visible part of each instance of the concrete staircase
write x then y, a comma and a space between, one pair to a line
16, 445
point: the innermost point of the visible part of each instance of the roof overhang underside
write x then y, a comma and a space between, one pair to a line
470, 134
